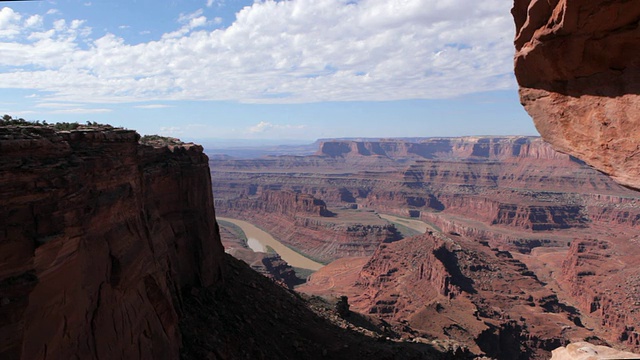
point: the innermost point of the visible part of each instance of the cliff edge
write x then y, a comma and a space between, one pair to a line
99, 236
578, 67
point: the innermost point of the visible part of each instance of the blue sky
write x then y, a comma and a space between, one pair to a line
289, 70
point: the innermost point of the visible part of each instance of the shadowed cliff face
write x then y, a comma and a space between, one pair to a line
99, 235
578, 66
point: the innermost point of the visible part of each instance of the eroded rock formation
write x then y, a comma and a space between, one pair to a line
578, 66
109, 250
513, 210
453, 287
603, 278
586, 351
99, 236
514, 191
304, 223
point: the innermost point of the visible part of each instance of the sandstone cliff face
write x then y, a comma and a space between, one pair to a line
510, 206
602, 277
578, 68
585, 351
99, 235
453, 287
288, 203
514, 191
469, 148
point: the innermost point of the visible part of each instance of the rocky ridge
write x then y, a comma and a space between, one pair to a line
579, 74
110, 249
579, 77
522, 200
452, 287
99, 237
510, 209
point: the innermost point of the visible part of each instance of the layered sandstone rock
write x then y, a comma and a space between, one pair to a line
469, 147
603, 279
454, 288
578, 66
585, 351
99, 236
303, 223
511, 206
514, 191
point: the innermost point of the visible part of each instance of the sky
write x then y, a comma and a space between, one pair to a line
294, 70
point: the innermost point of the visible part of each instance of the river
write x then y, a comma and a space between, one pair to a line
410, 223
258, 240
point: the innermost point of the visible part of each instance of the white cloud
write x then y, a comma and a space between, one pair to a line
57, 105
80, 111
152, 106
219, 3
171, 130
190, 21
275, 52
9, 23
264, 126
33, 21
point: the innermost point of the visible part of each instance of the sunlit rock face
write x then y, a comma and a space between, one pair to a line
578, 67
586, 351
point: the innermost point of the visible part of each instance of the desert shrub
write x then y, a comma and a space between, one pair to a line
156, 140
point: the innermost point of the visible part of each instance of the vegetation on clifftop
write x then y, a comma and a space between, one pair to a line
8, 120
158, 140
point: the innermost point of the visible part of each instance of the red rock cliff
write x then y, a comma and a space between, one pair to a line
98, 235
578, 66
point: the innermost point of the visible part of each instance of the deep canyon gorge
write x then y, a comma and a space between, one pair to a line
516, 252
109, 247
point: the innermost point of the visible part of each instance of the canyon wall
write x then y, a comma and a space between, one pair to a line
303, 223
452, 287
99, 236
469, 148
512, 191
578, 68
504, 214
602, 276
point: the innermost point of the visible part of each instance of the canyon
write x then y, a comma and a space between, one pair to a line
109, 247
504, 217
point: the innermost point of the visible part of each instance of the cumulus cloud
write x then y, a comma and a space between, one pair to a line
9, 23
275, 52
